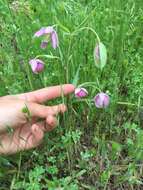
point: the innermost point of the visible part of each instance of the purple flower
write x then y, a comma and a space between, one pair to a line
80, 92
44, 31
48, 32
54, 39
44, 44
101, 100
36, 65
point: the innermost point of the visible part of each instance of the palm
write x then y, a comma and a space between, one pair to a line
29, 133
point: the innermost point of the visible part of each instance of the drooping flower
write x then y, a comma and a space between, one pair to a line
101, 100
43, 31
48, 32
80, 92
36, 65
100, 55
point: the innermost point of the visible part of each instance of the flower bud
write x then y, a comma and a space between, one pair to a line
100, 55
80, 92
96, 52
36, 65
101, 100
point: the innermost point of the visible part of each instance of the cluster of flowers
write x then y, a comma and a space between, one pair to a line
102, 99
49, 34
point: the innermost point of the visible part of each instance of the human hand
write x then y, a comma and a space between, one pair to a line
28, 133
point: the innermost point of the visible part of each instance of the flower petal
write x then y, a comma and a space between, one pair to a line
36, 65
39, 67
80, 92
44, 44
101, 100
40, 32
54, 39
49, 30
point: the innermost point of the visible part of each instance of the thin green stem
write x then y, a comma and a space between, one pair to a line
47, 56
84, 21
92, 84
126, 103
68, 59
61, 57
90, 29
19, 45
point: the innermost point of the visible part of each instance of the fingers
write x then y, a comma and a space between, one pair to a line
41, 111
51, 123
48, 93
22, 139
38, 130
36, 137
30, 138
26, 137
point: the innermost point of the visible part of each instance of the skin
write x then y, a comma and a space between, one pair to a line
28, 133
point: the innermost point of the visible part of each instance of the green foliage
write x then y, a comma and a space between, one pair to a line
91, 148
33, 183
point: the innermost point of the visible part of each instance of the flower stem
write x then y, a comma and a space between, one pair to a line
126, 103
88, 28
90, 84
47, 56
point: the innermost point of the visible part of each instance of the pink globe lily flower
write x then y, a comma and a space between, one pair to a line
48, 32
80, 92
36, 65
101, 100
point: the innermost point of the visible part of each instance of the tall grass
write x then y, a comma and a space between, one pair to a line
91, 148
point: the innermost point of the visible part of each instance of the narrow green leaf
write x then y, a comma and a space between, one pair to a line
26, 111
48, 56
61, 25
79, 174
75, 80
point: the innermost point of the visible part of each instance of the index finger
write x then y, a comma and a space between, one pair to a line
48, 93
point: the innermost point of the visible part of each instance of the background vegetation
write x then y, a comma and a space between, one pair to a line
91, 148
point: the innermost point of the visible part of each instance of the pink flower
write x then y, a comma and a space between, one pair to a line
44, 44
80, 92
48, 32
36, 65
101, 100
100, 55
